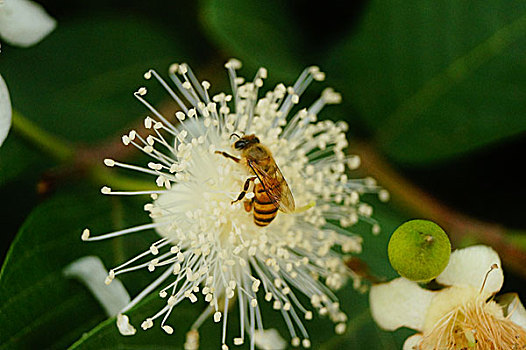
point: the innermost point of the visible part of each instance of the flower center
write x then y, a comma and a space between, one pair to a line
474, 324
203, 202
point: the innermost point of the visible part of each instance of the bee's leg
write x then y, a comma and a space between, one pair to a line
226, 155
248, 203
245, 189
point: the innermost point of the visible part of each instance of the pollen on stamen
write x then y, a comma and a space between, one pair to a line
353, 162
150, 140
108, 279
125, 140
316, 73
154, 250
233, 63
109, 162
105, 190
192, 112
295, 341
263, 73
85, 234
183, 68
174, 67
180, 115
168, 329
383, 195
340, 328
148, 323
331, 97
148, 122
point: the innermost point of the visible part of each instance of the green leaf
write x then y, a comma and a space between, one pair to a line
260, 33
78, 83
436, 80
17, 157
41, 308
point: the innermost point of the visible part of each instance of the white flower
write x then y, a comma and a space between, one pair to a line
5, 111
24, 23
464, 315
212, 247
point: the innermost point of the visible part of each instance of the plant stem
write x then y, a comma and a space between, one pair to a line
460, 227
57, 148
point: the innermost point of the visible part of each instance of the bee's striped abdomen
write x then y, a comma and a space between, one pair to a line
264, 210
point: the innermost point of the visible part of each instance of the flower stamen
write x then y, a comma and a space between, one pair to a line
215, 248
492, 267
476, 324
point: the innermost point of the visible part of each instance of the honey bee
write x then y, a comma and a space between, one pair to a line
271, 193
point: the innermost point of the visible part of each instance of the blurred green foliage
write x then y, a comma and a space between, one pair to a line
431, 83
83, 93
437, 81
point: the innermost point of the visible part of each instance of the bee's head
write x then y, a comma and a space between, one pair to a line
244, 141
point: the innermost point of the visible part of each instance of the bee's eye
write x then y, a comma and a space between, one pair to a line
256, 140
240, 144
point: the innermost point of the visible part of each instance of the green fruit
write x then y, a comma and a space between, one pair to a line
419, 250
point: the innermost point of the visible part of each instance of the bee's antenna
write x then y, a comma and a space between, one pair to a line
234, 134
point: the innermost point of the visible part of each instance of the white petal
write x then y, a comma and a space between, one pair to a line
448, 299
90, 271
5, 111
124, 326
399, 303
412, 342
469, 266
518, 313
24, 23
514, 309
269, 339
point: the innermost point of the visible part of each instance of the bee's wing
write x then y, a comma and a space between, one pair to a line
276, 187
